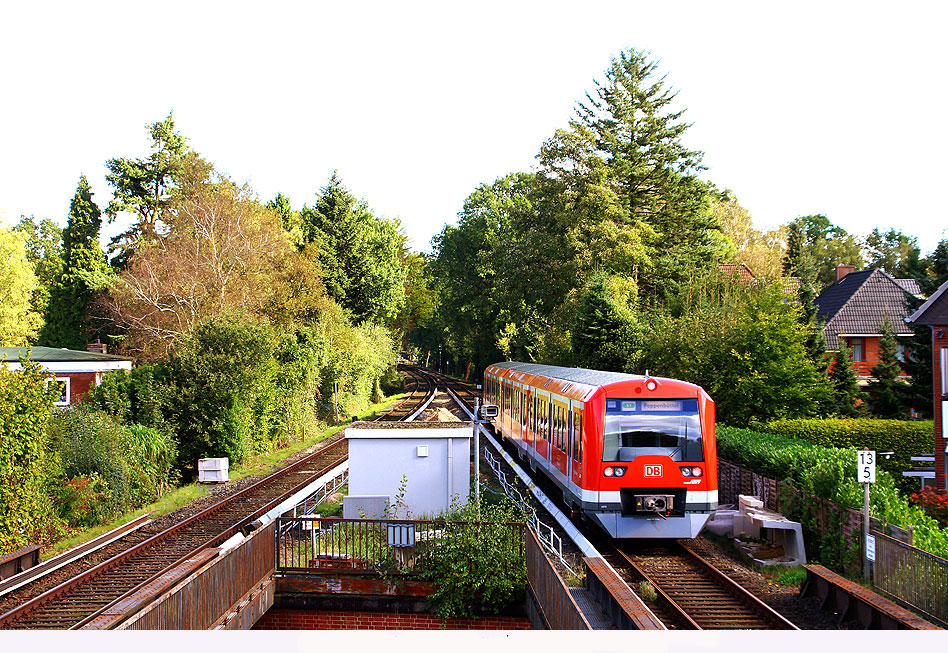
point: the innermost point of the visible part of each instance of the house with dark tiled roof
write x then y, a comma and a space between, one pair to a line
854, 308
76, 372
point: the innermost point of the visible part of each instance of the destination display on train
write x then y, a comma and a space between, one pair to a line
649, 406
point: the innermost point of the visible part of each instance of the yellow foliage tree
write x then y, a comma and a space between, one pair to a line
19, 323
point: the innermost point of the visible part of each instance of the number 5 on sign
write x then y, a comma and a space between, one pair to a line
866, 466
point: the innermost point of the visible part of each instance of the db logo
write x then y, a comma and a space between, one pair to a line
653, 471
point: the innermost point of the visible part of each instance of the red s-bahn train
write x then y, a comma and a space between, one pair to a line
636, 454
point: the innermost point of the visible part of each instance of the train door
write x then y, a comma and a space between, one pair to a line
576, 448
558, 437
528, 418
541, 437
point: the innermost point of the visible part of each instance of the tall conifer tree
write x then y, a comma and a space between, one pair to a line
887, 391
846, 393
84, 271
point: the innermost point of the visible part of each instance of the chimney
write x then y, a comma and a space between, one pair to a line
97, 347
843, 270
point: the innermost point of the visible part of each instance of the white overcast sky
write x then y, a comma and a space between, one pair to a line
805, 107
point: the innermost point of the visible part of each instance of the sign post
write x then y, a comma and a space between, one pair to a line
866, 473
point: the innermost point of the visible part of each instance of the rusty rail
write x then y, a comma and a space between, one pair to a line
48, 566
211, 592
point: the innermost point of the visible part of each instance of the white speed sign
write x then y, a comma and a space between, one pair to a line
866, 466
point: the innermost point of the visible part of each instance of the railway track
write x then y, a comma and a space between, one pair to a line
419, 387
690, 593
79, 601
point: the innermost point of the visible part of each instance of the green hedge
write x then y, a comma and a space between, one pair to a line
830, 473
904, 438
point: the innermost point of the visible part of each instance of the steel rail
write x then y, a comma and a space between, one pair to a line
77, 553
40, 601
697, 594
217, 539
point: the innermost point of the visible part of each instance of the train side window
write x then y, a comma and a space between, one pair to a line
577, 436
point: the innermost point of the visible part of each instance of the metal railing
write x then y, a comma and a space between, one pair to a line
556, 605
912, 576
320, 545
545, 533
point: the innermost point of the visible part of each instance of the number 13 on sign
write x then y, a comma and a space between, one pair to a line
866, 466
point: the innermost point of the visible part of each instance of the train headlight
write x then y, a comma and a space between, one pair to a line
620, 471
686, 471
651, 385
691, 471
608, 471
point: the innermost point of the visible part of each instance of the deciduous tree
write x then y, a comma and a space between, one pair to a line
224, 253
815, 238
44, 250
19, 321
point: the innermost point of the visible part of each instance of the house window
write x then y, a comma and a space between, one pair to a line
900, 352
63, 399
944, 376
859, 350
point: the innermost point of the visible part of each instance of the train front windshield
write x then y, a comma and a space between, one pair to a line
637, 427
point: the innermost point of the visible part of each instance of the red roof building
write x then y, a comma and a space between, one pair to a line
854, 308
77, 372
934, 314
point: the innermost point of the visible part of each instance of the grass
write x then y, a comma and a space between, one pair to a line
181, 496
791, 577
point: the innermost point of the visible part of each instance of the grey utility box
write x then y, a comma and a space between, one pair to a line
433, 458
213, 470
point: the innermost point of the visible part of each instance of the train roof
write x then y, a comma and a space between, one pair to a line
574, 374
575, 382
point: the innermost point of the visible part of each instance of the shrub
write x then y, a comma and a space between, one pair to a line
84, 501
933, 502
107, 467
25, 406
477, 567
829, 473
905, 439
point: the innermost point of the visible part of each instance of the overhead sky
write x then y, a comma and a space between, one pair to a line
806, 107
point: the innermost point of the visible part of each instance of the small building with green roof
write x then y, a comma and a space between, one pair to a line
77, 372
